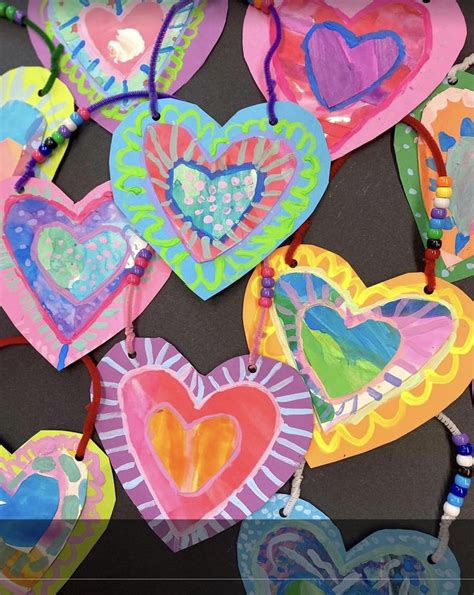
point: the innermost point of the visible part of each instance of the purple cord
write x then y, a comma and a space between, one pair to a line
129, 95
29, 173
271, 83
152, 92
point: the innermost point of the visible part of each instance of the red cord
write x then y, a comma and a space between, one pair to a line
300, 233
92, 409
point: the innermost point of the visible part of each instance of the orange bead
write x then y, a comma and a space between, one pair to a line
445, 181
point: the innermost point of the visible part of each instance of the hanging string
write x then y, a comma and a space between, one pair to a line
92, 408
15, 15
300, 233
265, 302
462, 66
295, 491
270, 82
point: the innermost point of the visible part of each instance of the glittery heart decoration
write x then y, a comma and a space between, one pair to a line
66, 268
379, 361
198, 453
214, 201
359, 66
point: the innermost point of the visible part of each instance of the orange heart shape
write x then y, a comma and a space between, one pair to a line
188, 452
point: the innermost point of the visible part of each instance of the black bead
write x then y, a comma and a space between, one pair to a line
434, 244
50, 142
465, 471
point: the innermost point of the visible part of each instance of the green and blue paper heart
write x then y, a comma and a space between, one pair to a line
215, 201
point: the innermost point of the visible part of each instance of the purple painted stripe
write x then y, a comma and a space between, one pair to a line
374, 393
392, 379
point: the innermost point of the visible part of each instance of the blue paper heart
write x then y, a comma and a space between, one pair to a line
27, 514
187, 135
281, 555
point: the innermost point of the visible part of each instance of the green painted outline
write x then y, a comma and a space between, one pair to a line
406, 153
297, 201
175, 62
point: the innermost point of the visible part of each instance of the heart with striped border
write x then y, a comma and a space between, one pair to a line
197, 453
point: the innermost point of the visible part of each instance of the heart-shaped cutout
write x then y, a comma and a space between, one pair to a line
44, 494
198, 453
378, 361
214, 201
305, 553
358, 66
447, 114
109, 45
26, 118
66, 265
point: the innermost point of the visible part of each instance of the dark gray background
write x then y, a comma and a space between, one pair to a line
365, 218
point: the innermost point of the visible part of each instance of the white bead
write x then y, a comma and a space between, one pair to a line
70, 125
452, 511
441, 203
464, 460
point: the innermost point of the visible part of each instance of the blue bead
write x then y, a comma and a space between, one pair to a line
145, 253
268, 282
458, 491
136, 270
76, 118
462, 482
464, 449
436, 223
45, 150
455, 500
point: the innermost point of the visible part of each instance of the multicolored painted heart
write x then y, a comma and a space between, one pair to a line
198, 453
214, 201
358, 66
66, 266
44, 543
305, 554
108, 46
25, 118
378, 361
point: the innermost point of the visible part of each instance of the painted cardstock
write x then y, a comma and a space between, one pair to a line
448, 113
108, 46
214, 201
72, 503
197, 453
64, 268
304, 554
379, 361
26, 119
358, 65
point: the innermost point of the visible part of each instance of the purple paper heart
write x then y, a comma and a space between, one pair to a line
343, 68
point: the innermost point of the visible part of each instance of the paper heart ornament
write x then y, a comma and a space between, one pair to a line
108, 46
359, 66
214, 201
379, 361
53, 510
305, 553
65, 268
198, 453
449, 116
26, 119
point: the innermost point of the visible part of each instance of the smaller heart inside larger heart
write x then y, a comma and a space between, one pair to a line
346, 358
80, 266
343, 68
122, 40
189, 453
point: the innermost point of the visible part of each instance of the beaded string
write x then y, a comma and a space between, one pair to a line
265, 302
92, 408
441, 203
15, 15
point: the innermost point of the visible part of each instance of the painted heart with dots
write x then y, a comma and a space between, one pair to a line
306, 553
215, 200
66, 268
197, 453
109, 44
360, 66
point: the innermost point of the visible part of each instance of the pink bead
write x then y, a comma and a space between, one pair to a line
268, 272
141, 262
38, 157
265, 302
133, 279
84, 113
